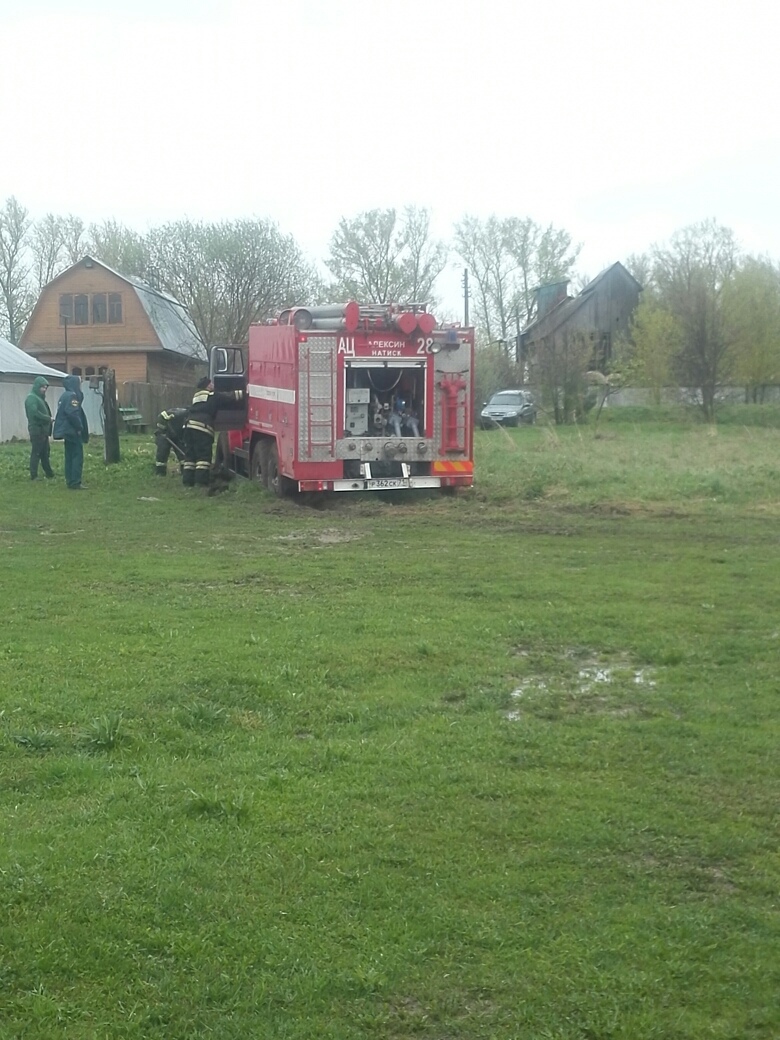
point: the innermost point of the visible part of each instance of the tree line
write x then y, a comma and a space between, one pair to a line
709, 317
709, 313
232, 273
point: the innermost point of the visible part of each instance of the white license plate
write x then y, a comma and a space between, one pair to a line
385, 483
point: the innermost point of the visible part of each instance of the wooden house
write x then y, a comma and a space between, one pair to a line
91, 318
600, 313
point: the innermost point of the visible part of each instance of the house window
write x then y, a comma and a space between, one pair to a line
99, 309
76, 371
102, 370
66, 308
115, 308
81, 309
89, 370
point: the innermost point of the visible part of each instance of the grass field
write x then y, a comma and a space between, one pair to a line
502, 765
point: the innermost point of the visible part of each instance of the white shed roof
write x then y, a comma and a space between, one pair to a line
17, 366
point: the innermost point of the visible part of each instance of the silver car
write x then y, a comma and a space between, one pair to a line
508, 408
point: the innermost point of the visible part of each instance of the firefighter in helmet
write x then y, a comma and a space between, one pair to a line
169, 437
199, 431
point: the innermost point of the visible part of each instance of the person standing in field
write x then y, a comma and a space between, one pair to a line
39, 427
70, 425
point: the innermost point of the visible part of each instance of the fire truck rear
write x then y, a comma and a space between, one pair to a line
350, 398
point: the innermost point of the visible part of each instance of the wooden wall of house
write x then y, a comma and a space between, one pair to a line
129, 365
169, 368
609, 308
45, 331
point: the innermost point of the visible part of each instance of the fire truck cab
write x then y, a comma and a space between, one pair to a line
350, 398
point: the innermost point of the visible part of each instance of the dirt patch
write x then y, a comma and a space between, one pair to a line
328, 536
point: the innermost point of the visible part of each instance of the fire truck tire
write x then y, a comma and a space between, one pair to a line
258, 466
222, 453
274, 480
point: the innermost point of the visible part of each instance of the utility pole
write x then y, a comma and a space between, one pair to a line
466, 297
64, 321
518, 349
110, 418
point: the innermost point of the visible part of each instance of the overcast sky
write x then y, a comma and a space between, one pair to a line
620, 122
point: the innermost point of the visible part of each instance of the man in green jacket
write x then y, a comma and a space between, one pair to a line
39, 426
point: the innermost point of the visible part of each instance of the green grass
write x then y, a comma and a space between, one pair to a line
493, 766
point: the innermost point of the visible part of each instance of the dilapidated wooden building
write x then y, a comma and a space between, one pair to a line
600, 313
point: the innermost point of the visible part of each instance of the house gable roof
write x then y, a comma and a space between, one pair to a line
554, 318
170, 319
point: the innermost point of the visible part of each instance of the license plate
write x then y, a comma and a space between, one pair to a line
385, 483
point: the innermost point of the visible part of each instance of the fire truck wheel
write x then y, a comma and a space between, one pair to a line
259, 462
222, 453
275, 482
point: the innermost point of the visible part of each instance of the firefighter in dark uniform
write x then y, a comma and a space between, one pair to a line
169, 437
199, 432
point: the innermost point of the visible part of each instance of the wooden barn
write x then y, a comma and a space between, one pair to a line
601, 312
91, 318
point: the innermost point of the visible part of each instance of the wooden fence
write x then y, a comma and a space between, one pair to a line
150, 398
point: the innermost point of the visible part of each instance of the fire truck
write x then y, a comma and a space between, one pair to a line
349, 398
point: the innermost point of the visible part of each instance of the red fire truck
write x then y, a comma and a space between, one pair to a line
350, 398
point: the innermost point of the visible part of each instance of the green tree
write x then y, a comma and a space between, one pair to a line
752, 314
381, 257
655, 339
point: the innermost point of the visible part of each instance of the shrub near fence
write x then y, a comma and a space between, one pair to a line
150, 398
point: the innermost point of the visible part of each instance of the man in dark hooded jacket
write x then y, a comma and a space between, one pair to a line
39, 427
70, 425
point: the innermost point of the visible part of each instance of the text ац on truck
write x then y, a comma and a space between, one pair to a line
350, 398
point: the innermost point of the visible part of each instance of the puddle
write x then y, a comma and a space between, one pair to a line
588, 673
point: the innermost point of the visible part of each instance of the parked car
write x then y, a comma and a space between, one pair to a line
508, 408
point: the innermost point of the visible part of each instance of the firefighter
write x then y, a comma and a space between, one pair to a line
199, 431
169, 437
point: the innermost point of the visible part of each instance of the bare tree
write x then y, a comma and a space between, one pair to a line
691, 274
560, 369
47, 245
481, 246
231, 274
508, 258
117, 246
378, 257
74, 235
16, 295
